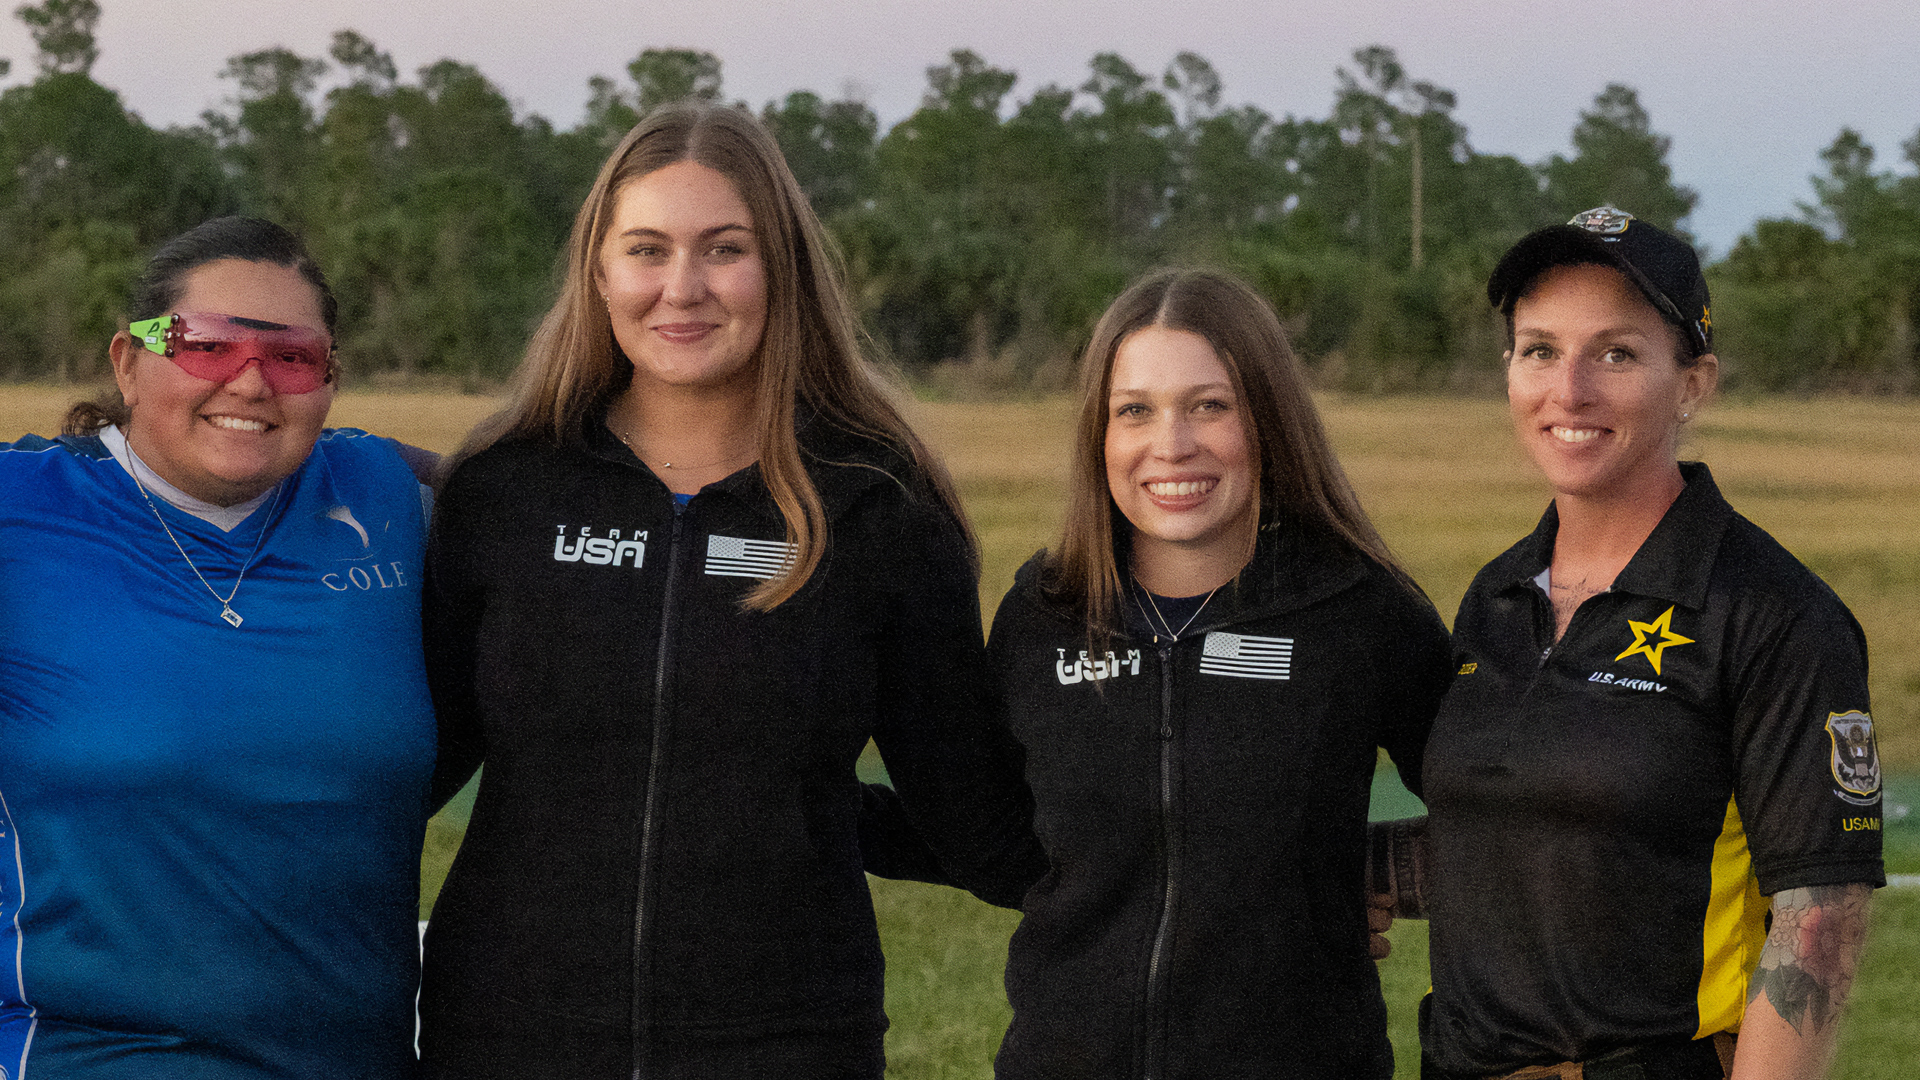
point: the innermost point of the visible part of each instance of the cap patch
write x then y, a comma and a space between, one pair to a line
1604, 220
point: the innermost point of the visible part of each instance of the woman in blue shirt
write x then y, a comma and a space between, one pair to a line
215, 735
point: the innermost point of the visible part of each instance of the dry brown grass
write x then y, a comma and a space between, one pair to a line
435, 421
35, 409
1835, 480
1010, 462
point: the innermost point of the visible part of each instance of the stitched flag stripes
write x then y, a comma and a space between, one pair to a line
1246, 656
731, 556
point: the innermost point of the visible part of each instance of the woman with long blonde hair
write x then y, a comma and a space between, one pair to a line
673, 590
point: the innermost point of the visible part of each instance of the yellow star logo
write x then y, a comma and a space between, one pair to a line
1652, 651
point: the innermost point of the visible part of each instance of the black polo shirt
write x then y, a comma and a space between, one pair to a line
1610, 811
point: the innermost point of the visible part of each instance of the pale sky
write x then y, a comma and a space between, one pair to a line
1750, 92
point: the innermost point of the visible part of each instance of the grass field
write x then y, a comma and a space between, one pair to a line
1836, 480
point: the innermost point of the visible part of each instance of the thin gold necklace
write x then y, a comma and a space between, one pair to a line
1172, 634
625, 439
231, 616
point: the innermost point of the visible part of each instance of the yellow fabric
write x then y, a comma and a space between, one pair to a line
1733, 932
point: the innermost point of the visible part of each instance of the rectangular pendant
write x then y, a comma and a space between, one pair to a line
232, 616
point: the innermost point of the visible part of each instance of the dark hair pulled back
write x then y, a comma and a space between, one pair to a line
245, 238
159, 287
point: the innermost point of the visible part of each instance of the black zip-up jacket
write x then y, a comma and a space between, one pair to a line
1204, 805
662, 874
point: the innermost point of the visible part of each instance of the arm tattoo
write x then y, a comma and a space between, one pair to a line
1812, 952
1397, 865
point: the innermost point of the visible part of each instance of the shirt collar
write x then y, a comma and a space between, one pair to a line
1677, 558
224, 518
1673, 563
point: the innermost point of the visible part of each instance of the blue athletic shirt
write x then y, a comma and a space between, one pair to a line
210, 835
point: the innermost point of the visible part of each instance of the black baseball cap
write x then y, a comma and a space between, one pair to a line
1661, 264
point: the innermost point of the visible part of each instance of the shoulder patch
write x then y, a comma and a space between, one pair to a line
1855, 758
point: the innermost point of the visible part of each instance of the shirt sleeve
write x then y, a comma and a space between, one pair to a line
1807, 774
424, 463
958, 770
890, 847
1424, 668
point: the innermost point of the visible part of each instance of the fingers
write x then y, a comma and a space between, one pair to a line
1379, 913
1379, 921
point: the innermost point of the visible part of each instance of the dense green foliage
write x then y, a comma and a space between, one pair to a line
1832, 299
983, 233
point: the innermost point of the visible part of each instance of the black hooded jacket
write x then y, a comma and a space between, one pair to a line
662, 874
1204, 804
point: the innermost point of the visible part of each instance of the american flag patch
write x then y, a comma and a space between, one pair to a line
1247, 657
730, 556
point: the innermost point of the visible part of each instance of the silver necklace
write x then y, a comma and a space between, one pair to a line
1172, 634
226, 602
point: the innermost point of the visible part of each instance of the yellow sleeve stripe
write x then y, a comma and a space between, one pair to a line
1733, 932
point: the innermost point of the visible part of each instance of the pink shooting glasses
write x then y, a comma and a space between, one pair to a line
293, 359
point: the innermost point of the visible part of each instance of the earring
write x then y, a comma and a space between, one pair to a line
1685, 416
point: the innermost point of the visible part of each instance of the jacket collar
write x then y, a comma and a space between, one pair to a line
1673, 563
1293, 565
843, 466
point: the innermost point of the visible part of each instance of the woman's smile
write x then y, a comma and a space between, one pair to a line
1179, 494
225, 442
681, 275
1177, 455
1573, 435
1595, 386
238, 423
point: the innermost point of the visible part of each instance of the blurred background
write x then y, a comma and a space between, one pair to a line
990, 203
986, 218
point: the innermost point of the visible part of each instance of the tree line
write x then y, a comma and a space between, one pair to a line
983, 234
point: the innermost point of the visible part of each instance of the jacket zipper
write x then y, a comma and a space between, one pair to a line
641, 914
1156, 1023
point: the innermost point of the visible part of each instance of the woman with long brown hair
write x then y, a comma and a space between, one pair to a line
674, 588
1201, 674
